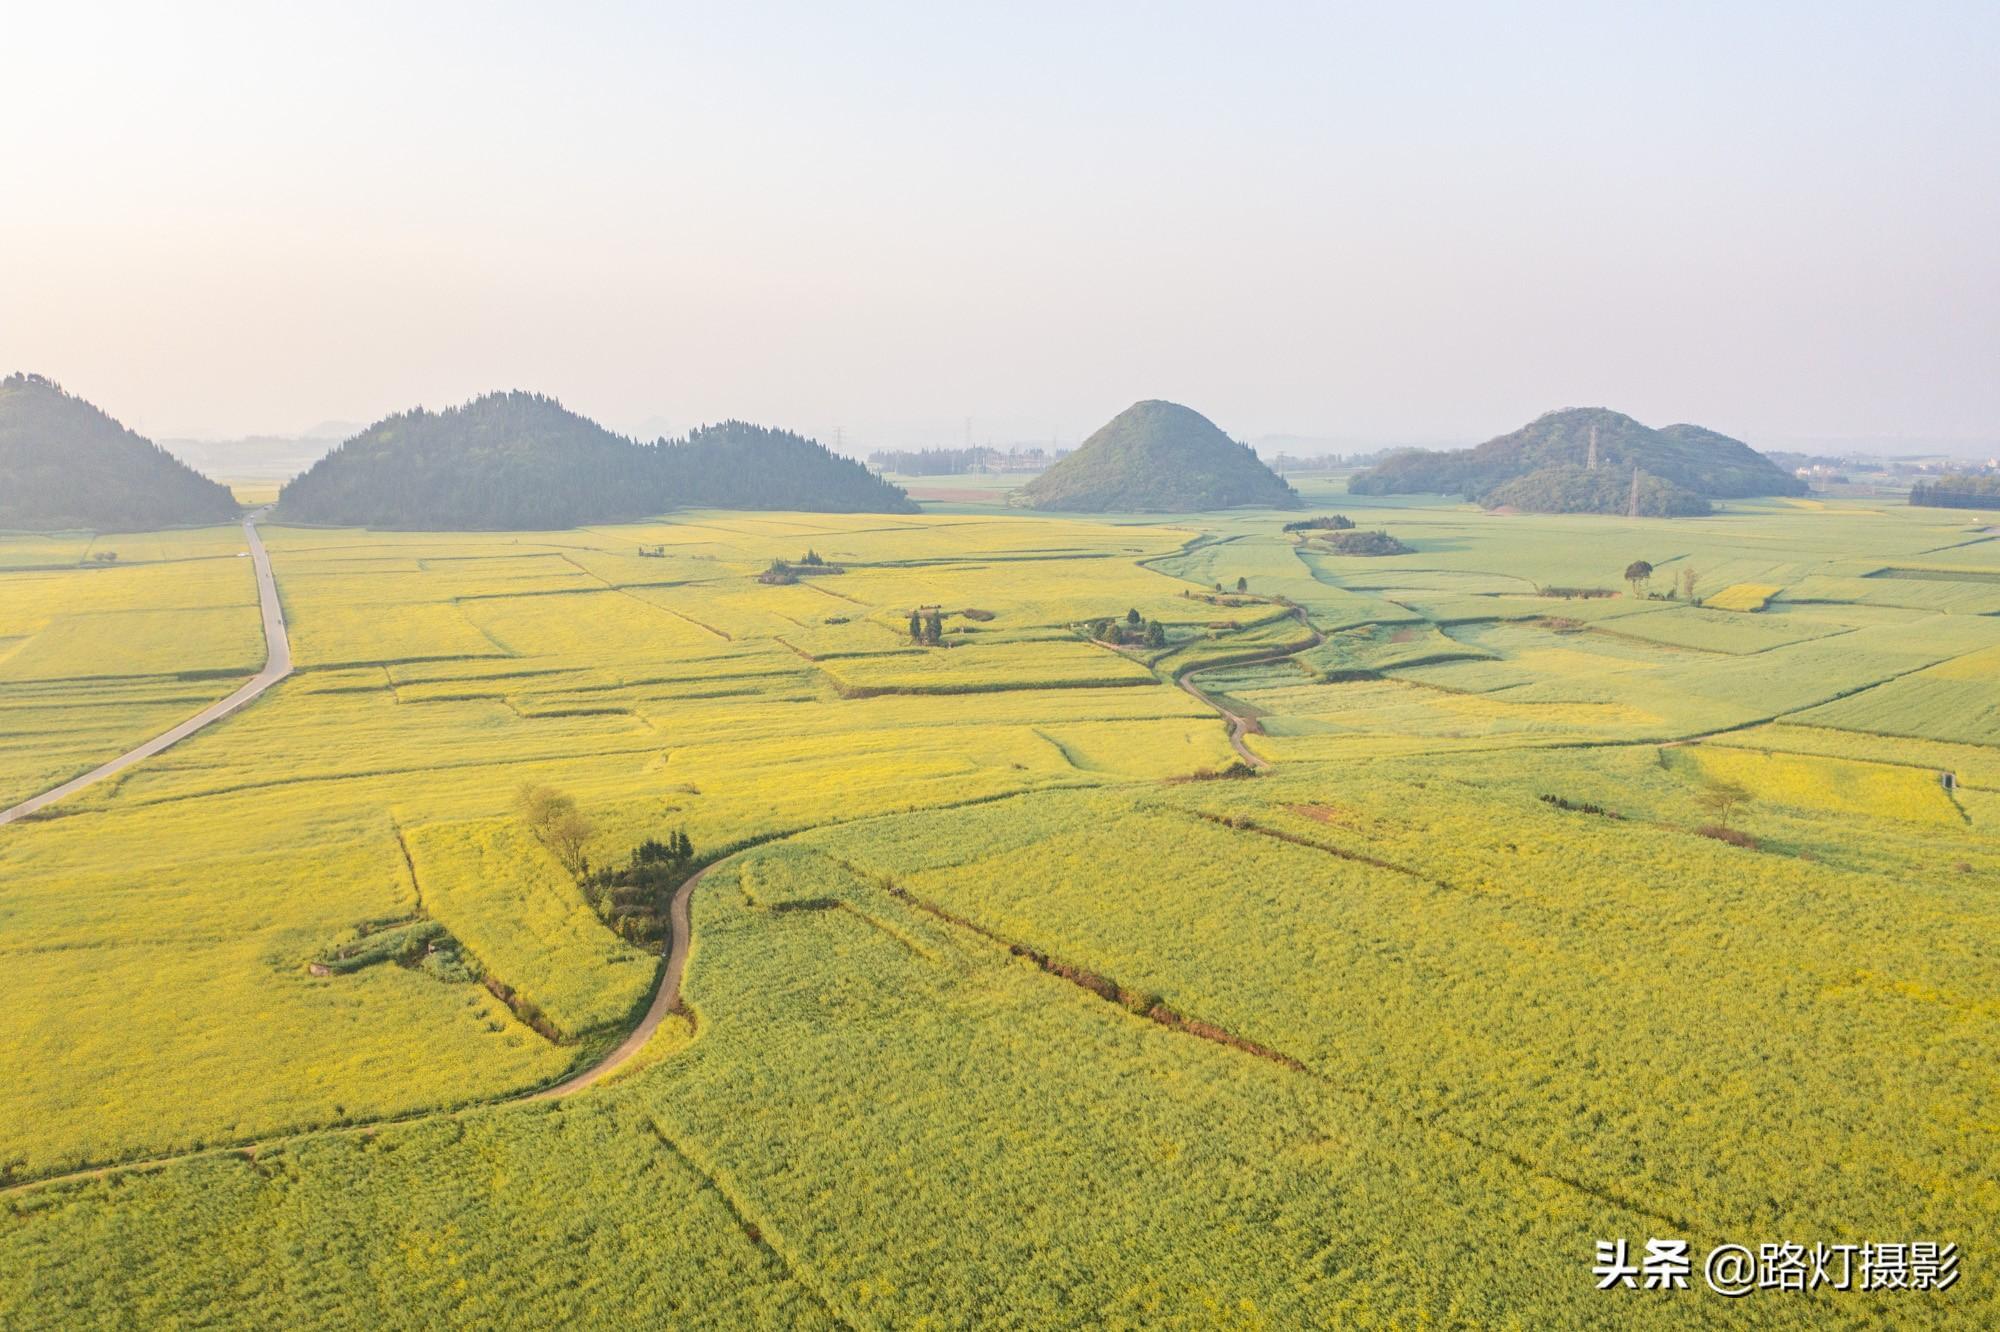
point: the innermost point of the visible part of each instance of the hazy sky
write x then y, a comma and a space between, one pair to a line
1369, 222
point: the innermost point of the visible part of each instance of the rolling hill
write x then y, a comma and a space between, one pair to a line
1545, 466
65, 464
524, 461
736, 465
1160, 457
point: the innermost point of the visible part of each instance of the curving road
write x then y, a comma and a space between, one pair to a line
277, 665
666, 999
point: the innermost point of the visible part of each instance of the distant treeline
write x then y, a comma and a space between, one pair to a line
926, 462
1964, 491
956, 462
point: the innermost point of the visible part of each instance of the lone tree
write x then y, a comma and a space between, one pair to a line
1156, 634
1723, 799
1688, 579
1242, 584
554, 818
916, 627
1132, 617
1638, 573
934, 627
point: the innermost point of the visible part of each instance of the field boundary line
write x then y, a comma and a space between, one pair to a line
1160, 1013
752, 1231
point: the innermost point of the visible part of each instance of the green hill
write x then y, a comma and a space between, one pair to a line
1545, 466
1158, 456
524, 461
736, 465
65, 464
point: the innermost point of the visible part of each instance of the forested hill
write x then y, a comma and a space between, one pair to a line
507, 460
1546, 466
524, 461
1158, 456
736, 465
65, 464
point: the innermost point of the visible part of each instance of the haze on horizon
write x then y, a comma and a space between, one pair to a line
1362, 223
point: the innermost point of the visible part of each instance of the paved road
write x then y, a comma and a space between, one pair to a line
277, 665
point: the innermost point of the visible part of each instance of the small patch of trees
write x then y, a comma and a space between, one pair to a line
1364, 543
927, 626
1579, 806
809, 565
1330, 522
652, 552
633, 898
1131, 631
1968, 491
555, 820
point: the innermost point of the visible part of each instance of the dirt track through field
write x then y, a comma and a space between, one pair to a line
277, 665
1241, 724
666, 999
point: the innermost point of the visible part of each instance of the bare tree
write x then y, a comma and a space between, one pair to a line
1723, 799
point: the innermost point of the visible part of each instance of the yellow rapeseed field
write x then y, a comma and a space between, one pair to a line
1556, 916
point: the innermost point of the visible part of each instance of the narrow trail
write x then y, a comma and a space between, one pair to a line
666, 999
277, 665
1241, 724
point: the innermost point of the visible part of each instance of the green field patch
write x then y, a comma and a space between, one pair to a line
1355, 653
1938, 574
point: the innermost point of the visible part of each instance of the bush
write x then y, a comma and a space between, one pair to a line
1730, 835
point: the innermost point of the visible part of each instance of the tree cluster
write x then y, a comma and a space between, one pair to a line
1326, 522
1364, 543
927, 626
633, 898
927, 462
1968, 491
1133, 630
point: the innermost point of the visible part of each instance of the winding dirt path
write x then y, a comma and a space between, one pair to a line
1239, 724
666, 999
277, 665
